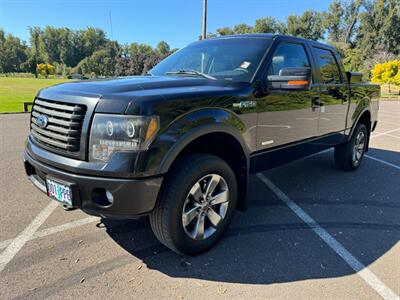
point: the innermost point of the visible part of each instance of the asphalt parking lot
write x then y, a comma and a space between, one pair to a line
311, 232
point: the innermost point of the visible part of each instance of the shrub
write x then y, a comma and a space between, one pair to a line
18, 75
387, 73
45, 70
62, 70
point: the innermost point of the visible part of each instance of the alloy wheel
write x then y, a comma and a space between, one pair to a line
205, 207
359, 147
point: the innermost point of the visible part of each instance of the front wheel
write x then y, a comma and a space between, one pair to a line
196, 204
348, 156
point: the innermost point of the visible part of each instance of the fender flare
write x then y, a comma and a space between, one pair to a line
366, 109
195, 133
353, 127
363, 106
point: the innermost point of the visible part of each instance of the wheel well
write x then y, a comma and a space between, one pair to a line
366, 120
227, 148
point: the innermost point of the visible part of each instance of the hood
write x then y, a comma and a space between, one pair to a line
115, 95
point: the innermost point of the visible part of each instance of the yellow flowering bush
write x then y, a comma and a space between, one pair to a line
388, 72
45, 70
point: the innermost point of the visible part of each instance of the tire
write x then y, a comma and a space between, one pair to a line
181, 208
348, 156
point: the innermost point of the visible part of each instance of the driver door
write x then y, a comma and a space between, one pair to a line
287, 116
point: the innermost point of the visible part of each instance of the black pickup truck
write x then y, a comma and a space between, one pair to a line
178, 144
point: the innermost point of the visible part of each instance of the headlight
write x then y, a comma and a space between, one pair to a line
115, 133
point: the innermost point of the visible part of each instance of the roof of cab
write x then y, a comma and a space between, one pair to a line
275, 36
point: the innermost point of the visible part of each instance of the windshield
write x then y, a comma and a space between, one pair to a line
235, 59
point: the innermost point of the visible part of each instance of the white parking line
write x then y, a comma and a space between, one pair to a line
374, 135
383, 161
55, 229
7, 255
365, 155
392, 123
389, 112
5, 243
391, 135
370, 278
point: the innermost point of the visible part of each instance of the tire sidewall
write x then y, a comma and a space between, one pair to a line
212, 165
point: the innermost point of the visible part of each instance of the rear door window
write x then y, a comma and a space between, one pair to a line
327, 66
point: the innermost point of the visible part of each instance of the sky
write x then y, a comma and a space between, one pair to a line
178, 22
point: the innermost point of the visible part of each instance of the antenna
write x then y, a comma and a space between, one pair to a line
204, 35
112, 35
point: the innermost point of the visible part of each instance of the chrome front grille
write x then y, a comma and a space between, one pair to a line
64, 124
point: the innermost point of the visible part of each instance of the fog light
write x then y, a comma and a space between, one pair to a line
110, 197
102, 197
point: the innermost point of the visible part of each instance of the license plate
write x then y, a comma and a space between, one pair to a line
59, 191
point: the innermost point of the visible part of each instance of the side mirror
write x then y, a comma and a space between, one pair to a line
290, 79
354, 77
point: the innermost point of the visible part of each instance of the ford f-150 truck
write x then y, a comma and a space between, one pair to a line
178, 144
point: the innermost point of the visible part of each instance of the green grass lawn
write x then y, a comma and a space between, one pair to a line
15, 91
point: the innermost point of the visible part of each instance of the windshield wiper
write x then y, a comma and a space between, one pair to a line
190, 72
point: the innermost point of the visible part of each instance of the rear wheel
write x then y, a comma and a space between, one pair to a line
348, 156
196, 204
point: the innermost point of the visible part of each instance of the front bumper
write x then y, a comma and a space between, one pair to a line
131, 197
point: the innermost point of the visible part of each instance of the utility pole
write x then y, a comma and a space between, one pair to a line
204, 35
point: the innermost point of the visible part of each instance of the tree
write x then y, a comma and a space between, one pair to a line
237, 29
333, 21
269, 25
378, 30
12, 53
50, 37
137, 59
263, 25
308, 25
380, 56
62, 69
242, 29
65, 46
36, 53
101, 62
392, 27
69, 54
93, 39
163, 48
352, 12
225, 31
380, 27
352, 57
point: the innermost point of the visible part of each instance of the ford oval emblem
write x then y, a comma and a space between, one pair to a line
42, 121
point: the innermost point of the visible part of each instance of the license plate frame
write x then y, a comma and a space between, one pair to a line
60, 191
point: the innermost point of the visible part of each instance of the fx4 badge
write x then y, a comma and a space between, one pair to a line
245, 104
